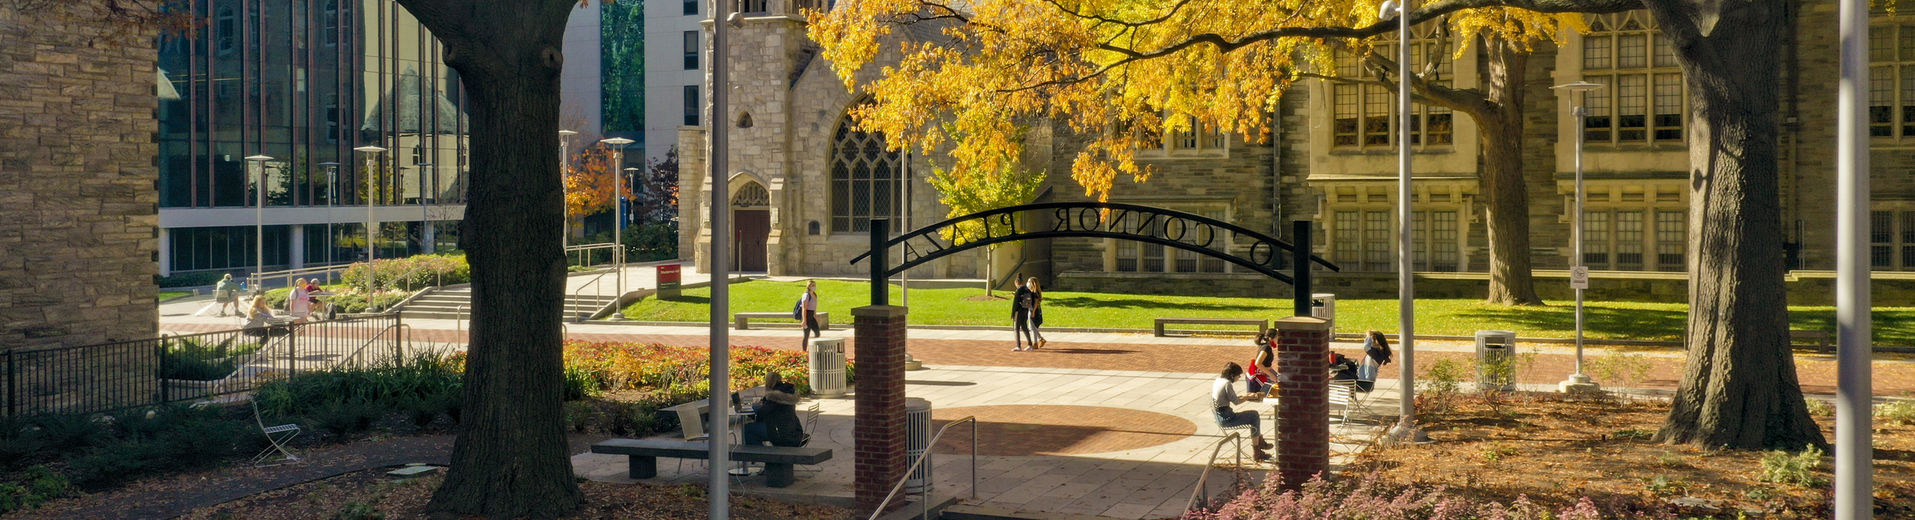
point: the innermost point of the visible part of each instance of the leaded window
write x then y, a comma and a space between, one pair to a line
865, 178
1364, 114
1891, 81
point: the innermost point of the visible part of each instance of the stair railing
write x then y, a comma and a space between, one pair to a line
1205, 476
598, 289
926, 455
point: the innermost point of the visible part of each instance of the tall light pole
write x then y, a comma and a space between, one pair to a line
258, 163
565, 167
371, 153
1578, 273
618, 221
1405, 429
631, 186
719, 120
332, 197
1854, 447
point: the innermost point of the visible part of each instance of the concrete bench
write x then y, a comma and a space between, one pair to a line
644, 454
743, 319
1262, 325
1819, 339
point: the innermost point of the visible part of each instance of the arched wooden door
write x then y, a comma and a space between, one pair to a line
751, 228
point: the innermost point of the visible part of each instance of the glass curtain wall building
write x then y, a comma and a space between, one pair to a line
305, 82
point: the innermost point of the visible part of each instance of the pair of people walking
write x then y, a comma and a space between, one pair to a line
1027, 313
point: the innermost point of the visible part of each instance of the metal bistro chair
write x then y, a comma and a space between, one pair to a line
1343, 394
811, 428
276, 439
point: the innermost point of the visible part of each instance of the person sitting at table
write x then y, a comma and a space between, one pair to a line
1259, 377
1222, 395
258, 316
776, 416
1376, 353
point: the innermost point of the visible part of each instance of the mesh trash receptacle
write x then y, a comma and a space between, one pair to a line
1324, 305
827, 367
1496, 359
917, 439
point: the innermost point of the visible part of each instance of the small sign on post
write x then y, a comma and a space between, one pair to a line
1579, 277
667, 281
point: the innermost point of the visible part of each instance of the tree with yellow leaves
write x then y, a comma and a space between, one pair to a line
966, 188
589, 184
1120, 71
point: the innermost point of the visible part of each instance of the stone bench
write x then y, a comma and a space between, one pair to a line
1262, 325
644, 454
742, 320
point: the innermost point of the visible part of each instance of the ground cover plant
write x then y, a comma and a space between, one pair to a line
620, 388
1556, 452
168, 295
348, 298
49, 456
372, 494
1456, 317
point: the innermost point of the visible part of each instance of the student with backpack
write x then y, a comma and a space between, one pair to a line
1021, 316
806, 312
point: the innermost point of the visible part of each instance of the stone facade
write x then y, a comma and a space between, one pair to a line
797, 104
78, 200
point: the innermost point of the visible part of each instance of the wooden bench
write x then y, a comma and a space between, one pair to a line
644, 454
1819, 339
743, 319
1262, 325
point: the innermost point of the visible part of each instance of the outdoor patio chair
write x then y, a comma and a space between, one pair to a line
811, 428
1343, 394
276, 439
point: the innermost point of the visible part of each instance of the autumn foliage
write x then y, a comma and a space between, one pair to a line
589, 179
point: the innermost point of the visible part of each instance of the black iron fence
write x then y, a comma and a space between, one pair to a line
111, 376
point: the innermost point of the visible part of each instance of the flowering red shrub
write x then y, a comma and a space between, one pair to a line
1364, 498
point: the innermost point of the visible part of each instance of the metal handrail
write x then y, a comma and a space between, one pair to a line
920, 461
459, 322
406, 328
254, 279
583, 258
1205, 476
597, 288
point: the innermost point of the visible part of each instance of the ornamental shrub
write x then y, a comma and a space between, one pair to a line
412, 272
1368, 497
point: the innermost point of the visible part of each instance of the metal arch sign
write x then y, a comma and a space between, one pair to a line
1170, 228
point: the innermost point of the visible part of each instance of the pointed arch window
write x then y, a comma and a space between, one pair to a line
865, 178
752, 195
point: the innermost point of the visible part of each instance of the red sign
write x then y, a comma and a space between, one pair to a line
667, 276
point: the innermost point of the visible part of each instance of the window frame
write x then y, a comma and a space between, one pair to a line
693, 42
854, 151
1372, 115
1647, 220
1650, 82
694, 104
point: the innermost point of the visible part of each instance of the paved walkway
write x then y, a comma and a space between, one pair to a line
1107, 424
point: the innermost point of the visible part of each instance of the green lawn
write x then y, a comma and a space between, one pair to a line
967, 306
168, 295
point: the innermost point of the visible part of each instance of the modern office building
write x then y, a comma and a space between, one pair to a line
675, 64
305, 82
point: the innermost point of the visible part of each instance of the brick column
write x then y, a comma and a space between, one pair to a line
879, 425
1303, 409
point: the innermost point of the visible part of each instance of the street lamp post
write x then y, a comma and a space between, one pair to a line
372, 229
259, 218
1579, 273
332, 196
631, 186
565, 224
618, 222
1405, 429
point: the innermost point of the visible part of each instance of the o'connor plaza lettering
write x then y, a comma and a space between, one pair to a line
1170, 228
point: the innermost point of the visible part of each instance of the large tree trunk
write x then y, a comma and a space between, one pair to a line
1505, 191
1739, 387
511, 458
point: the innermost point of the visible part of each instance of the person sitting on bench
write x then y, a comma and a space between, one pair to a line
1376, 353
776, 416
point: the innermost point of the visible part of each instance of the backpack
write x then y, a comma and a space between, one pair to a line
798, 310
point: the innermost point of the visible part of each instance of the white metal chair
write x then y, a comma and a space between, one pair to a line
276, 439
1343, 394
691, 423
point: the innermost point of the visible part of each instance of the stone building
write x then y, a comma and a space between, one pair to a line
802, 183
78, 226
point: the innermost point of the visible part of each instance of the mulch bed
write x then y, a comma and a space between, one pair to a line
367, 494
1555, 450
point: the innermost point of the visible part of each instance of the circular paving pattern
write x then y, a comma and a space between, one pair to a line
1057, 429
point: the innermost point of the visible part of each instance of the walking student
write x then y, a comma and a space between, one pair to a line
1021, 316
809, 328
227, 294
1037, 313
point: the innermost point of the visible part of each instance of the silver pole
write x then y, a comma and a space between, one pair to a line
565, 223
1854, 479
1405, 429
372, 229
259, 225
1578, 382
618, 219
720, 486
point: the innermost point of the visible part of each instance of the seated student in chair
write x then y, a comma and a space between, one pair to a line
777, 416
1376, 353
1223, 395
1259, 377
